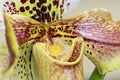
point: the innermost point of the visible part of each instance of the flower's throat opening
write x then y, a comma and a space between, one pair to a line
63, 52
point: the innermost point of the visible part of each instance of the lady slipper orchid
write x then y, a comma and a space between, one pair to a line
55, 52
22, 32
39, 42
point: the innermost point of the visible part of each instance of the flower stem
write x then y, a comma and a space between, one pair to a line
96, 75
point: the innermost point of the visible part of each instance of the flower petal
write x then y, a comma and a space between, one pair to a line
101, 34
23, 29
40, 10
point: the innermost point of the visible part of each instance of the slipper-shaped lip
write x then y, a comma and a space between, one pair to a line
63, 63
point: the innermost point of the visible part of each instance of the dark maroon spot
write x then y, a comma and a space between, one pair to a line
36, 28
20, 57
99, 51
21, 65
69, 36
93, 46
90, 53
12, 13
13, 9
30, 11
17, 11
18, 72
13, 4
24, 73
51, 30
87, 45
38, 4
10, 8
67, 27
60, 28
34, 8
49, 19
68, 31
17, 64
53, 15
44, 8
34, 16
27, 7
68, 5
43, 1
22, 9
21, 77
38, 12
49, 7
23, 1
56, 2
61, 10
32, 1
58, 35
4, 5
87, 51
63, 1
61, 6
47, 16
7, 2
43, 17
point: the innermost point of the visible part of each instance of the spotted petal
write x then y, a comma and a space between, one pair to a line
21, 32
102, 43
23, 29
40, 10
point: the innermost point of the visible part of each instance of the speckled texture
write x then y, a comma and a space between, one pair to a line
40, 10
23, 61
95, 26
104, 56
25, 69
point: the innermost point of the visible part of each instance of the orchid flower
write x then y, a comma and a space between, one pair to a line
99, 30
25, 59
21, 34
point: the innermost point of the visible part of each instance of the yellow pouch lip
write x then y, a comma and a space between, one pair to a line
63, 63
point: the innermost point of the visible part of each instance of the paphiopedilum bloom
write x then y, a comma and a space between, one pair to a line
100, 32
44, 36
22, 32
